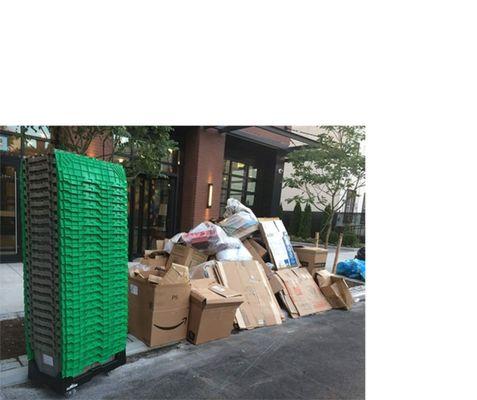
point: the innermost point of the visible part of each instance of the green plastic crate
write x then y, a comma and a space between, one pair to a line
88, 304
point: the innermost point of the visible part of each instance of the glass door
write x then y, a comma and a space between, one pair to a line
151, 212
9, 209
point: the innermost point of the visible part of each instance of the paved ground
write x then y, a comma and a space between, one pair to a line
318, 357
11, 293
11, 283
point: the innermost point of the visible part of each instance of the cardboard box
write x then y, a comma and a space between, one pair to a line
300, 293
160, 244
156, 262
212, 311
260, 307
312, 257
335, 289
202, 271
278, 243
185, 255
159, 312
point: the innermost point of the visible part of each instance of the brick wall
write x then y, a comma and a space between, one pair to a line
203, 164
99, 148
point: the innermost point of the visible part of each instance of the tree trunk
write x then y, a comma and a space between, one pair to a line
328, 230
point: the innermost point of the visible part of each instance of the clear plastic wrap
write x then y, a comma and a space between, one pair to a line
208, 238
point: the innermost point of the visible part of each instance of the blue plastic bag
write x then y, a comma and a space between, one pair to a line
353, 268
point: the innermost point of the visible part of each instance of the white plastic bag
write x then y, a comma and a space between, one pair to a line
234, 206
239, 253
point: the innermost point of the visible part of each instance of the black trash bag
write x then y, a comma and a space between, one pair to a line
361, 254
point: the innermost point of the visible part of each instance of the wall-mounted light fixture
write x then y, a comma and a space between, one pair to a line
210, 192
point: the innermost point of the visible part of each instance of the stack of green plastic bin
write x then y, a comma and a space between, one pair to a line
75, 266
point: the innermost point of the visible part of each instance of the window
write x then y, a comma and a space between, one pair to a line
25, 140
239, 181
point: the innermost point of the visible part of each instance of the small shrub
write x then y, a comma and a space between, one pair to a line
305, 223
295, 220
350, 239
333, 237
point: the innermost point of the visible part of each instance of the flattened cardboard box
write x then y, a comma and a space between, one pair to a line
279, 288
158, 314
212, 311
312, 257
302, 294
278, 243
260, 307
335, 289
185, 255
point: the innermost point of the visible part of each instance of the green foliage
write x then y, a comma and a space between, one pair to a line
350, 239
323, 173
333, 237
151, 145
305, 223
296, 220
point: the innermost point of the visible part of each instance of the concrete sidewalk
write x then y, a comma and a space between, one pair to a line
11, 290
11, 283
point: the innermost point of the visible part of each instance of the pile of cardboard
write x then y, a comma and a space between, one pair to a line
183, 289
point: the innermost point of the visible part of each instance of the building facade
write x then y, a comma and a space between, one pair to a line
209, 165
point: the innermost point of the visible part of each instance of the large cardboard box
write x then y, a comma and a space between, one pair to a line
312, 257
185, 255
212, 311
335, 289
260, 307
301, 295
159, 306
278, 243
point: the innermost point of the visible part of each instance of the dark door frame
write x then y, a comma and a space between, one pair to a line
15, 161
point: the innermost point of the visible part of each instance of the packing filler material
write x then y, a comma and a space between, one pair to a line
212, 311
159, 305
75, 234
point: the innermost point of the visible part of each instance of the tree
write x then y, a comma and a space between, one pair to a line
296, 219
149, 144
305, 226
325, 172
325, 221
